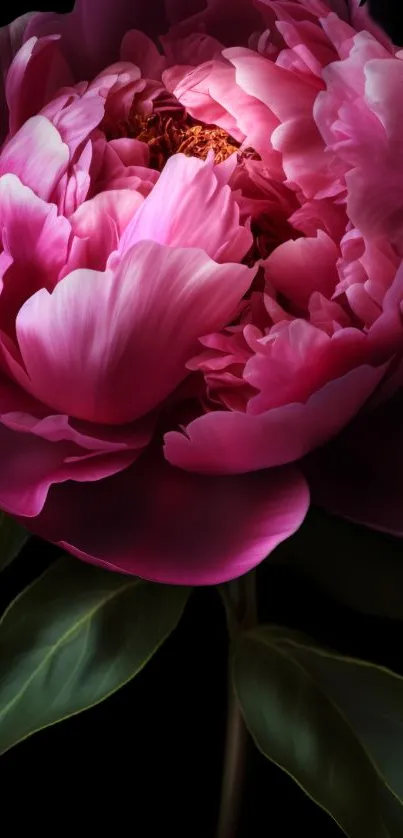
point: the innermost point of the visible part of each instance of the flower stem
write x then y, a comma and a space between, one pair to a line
240, 602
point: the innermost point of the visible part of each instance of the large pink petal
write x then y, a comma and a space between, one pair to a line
189, 207
231, 442
108, 347
360, 475
37, 155
38, 71
163, 524
11, 39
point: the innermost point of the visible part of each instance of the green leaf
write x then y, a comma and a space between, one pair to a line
334, 724
74, 637
359, 567
12, 539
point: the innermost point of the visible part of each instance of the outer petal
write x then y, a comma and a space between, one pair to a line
189, 207
108, 347
101, 25
169, 526
141, 51
38, 71
360, 474
11, 38
233, 442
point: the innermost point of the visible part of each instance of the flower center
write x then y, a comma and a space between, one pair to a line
166, 135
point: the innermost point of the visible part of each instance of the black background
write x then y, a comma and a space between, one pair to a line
148, 761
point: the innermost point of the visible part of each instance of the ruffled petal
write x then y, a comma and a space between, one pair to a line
224, 442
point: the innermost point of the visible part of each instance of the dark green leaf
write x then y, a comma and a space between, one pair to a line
359, 567
333, 724
74, 637
12, 539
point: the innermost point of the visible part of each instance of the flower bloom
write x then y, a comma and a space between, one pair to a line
200, 275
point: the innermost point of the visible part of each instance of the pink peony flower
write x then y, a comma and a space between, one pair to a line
201, 276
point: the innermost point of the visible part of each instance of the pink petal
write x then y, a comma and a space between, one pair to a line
99, 224
298, 268
37, 72
189, 207
35, 239
32, 231
75, 120
11, 38
162, 524
141, 51
211, 93
37, 155
233, 442
374, 200
108, 347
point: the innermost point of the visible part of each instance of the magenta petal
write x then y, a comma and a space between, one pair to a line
108, 347
163, 524
360, 474
229, 442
